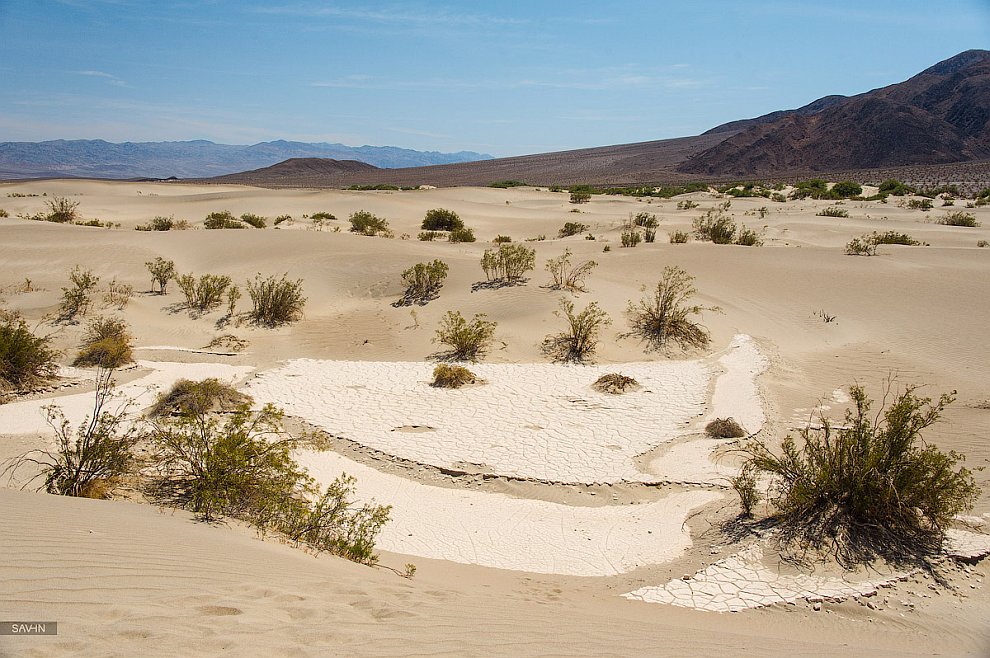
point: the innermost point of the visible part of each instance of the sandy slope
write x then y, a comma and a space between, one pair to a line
916, 312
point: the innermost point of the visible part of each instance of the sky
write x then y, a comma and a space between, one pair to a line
504, 78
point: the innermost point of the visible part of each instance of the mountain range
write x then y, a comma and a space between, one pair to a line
191, 159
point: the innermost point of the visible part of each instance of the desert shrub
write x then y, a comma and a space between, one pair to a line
256, 221
508, 264
430, 236
323, 216
26, 360
4, 213
566, 277
162, 271
649, 235
580, 197
630, 238
749, 238
86, 461
816, 188
686, 204
744, 485
847, 188
282, 218
715, 226
61, 210
503, 184
464, 234
118, 294
441, 219
446, 375
365, 223
571, 228
679, 237
233, 296
664, 317
77, 297
606, 249
159, 223
644, 220
871, 486
777, 197
864, 245
958, 219
893, 237
762, 211
275, 301
243, 468
615, 383
724, 428
222, 219
502, 239
423, 282
895, 187
982, 243
468, 341
832, 211
923, 205
579, 340
198, 398
107, 344
205, 293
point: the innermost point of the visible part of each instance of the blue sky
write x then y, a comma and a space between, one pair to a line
505, 78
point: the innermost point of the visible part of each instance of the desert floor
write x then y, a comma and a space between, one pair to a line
531, 505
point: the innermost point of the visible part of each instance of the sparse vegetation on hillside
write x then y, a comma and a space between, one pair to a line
468, 341
664, 318
630, 238
162, 223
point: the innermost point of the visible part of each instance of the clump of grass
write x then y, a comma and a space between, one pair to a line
205, 293
423, 282
446, 375
275, 301
107, 344
198, 397
566, 277
664, 318
462, 234
579, 341
870, 487
615, 383
441, 219
162, 271
26, 360
832, 211
959, 219
571, 228
724, 428
679, 237
366, 223
77, 298
468, 341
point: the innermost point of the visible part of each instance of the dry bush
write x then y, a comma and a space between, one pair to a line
228, 342
724, 428
61, 210
26, 360
566, 277
468, 341
275, 301
615, 383
201, 397
205, 293
107, 344
679, 237
579, 340
77, 298
162, 271
423, 282
664, 317
446, 375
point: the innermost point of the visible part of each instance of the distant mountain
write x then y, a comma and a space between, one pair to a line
192, 159
941, 115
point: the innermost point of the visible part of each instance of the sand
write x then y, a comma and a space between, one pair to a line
526, 539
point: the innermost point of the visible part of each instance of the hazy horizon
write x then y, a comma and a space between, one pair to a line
519, 78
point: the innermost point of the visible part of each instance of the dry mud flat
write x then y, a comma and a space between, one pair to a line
530, 502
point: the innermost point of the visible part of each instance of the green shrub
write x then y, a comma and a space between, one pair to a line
198, 398
464, 234
571, 228
579, 340
441, 219
724, 428
644, 220
509, 183
664, 317
233, 295
630, 238
158, 223
566, 277
892, 237
430, 236
4, 213
61, 210
162, 271
77, 298
275, 301
243, 469
715, 226
749, 238
923, 205
615, 383
106, 344
323, 216
580, 197
365, 223
205, 293
847, 188
777, 197
895, 187
423, 282
679, 237
222, 219
85, 462
282, 218
508, 264
446, 375
744, 485
686, 204
862, 246
502, 239
26, 360
468, 341
256, 221
870, 487
832, 211
959, 219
